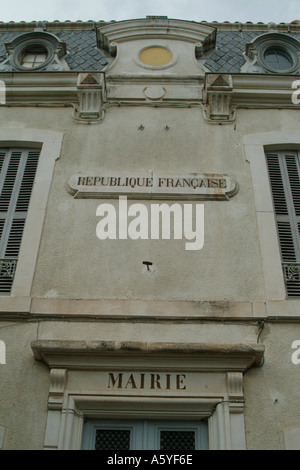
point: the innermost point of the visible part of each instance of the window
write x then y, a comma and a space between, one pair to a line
35, 51
272, 53
17, 173
284, 173
33, 57
278, 59
145, 435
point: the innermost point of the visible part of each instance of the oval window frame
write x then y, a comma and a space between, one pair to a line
26, 45
283, 52
156, 67
284, 46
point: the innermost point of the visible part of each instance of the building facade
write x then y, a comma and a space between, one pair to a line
149, 221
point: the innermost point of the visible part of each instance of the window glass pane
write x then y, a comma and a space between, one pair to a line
33, 57
278, 59
112, 439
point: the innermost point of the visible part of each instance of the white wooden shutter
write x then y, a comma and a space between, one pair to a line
17, 173
284, 172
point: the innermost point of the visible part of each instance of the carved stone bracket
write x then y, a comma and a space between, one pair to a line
235, 388
235, 385
218, 98
90, 97
58, 379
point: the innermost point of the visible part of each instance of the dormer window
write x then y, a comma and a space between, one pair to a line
36, 51
272, 53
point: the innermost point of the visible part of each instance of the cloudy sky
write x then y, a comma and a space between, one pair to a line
196, 10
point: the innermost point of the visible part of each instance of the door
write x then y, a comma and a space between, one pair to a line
120, 435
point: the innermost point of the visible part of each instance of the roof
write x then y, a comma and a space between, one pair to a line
228, 56
83, 54
81, 46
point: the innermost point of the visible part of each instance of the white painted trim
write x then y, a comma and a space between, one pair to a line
255, 146
65, 429
50, 144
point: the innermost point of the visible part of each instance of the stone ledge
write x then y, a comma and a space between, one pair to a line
192, 356
164, 309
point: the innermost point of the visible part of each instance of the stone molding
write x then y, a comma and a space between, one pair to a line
91, 91
98, 354
216, 389
223, 94
90, 94
201, 34
84, 92
218, 92
58, 378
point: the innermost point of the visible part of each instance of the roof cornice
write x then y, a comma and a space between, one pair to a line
260, 91
293, 26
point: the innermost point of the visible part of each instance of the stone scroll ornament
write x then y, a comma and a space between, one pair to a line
191, 186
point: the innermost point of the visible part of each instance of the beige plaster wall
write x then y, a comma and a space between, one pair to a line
272, 391
74, 263
24, 388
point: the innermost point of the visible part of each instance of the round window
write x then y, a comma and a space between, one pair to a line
278, 59
33, 56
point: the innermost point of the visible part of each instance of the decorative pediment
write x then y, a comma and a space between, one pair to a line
156, 46
156, 28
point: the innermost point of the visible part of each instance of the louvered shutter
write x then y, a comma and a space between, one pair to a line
17, 173
284, 172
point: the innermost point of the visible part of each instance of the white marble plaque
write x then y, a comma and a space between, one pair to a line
191, 186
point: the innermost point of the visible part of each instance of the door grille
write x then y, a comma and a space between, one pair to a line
112, 439
177, 440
